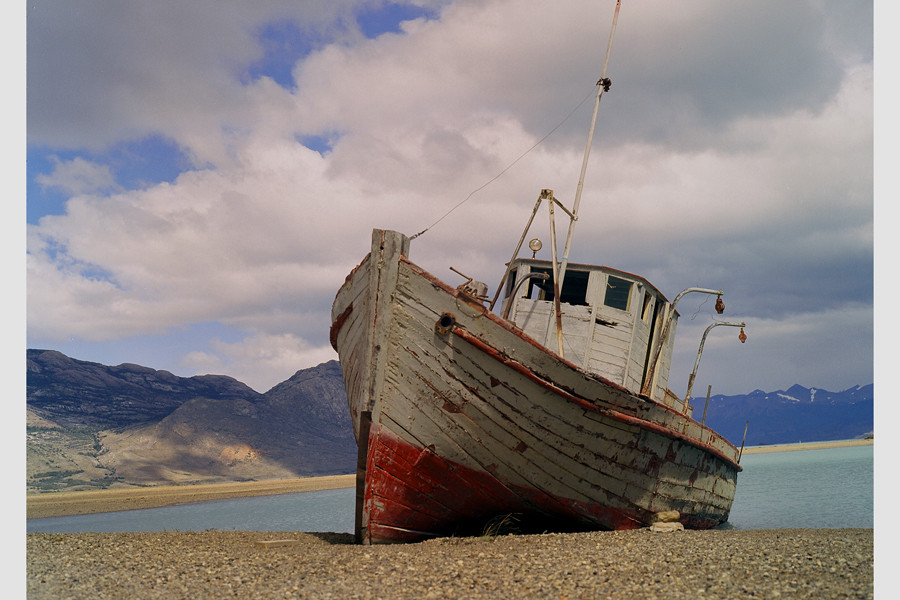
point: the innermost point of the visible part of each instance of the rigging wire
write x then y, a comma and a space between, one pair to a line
509, 166
699, 308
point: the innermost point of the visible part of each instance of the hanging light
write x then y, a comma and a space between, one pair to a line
742, 336
720, 305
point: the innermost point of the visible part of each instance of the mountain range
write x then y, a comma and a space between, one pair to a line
797, 414
94, 426
90, 425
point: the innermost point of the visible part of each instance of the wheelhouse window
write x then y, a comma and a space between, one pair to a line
617, 293
574, 289
540, 289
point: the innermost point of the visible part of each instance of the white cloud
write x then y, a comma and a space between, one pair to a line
78, 176
262, 361
99, 74
213, 244
688, 180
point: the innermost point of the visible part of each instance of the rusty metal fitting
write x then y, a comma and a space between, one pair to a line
445, 324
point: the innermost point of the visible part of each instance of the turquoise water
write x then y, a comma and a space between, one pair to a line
808, 489
831, 488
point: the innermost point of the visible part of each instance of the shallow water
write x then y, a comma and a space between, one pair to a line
327, 510
830, 488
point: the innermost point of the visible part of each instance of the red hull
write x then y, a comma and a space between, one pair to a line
414, 494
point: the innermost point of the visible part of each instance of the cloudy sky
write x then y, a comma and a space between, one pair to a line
201, 176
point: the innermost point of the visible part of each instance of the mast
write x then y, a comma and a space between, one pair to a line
602, 86
559, 267
559, 271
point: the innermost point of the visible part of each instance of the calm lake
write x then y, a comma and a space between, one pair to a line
831, 488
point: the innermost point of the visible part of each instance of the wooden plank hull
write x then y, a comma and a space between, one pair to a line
461, 418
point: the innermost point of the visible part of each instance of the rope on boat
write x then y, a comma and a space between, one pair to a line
509, 166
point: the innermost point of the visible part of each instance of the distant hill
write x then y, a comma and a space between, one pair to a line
91, 425
95, 426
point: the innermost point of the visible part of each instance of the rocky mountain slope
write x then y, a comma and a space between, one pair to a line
91, 425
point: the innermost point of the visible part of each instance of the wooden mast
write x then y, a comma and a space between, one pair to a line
602, 86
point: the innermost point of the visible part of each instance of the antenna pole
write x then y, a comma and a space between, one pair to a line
602, 86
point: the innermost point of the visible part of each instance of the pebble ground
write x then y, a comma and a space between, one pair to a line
640, 564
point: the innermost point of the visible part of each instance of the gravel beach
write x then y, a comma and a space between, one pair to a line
777, 563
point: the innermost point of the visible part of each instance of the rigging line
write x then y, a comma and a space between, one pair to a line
508, 167
699, 308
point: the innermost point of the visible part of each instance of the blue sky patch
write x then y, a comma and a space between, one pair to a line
283, 44
142, 163
42, 200
135, 164
320, 143
387, 18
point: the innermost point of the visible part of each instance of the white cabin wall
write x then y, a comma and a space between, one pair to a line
612, 339
577, 332
616, 350
595, 287
608, 353
534, 318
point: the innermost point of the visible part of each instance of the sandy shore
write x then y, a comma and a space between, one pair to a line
638, 564
59, 504
807, 446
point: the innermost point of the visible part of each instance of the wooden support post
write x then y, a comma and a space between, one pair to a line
744, 439
706, 406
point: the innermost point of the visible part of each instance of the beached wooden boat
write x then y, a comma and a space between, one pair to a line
554, 413
461, 416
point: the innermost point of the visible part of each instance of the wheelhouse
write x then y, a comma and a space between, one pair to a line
611, 321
